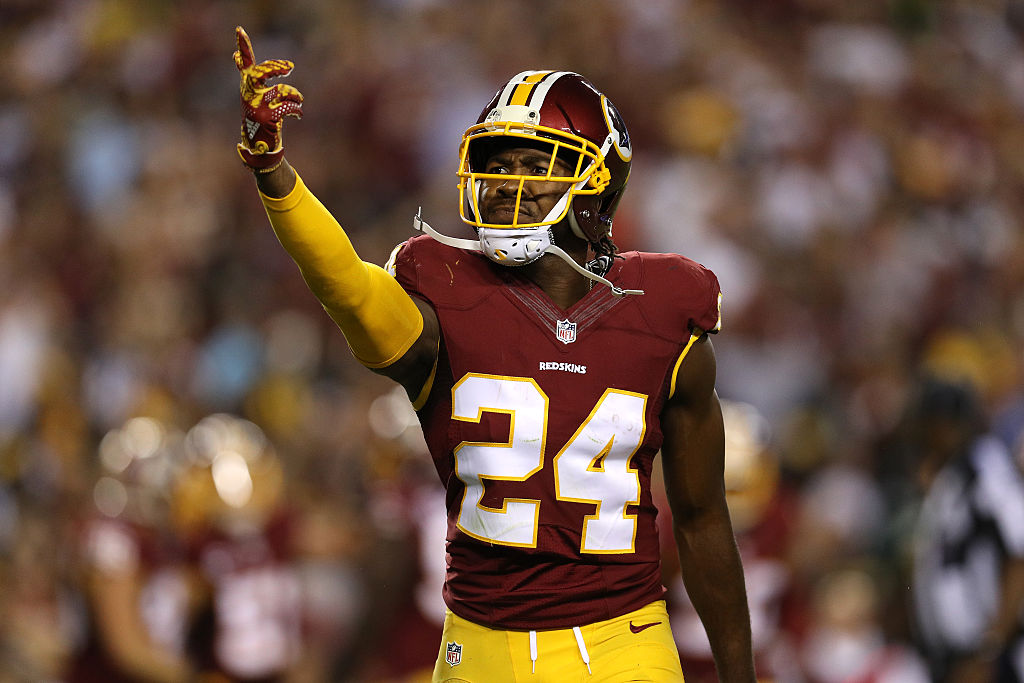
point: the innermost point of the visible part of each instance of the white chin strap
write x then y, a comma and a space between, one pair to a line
515, 248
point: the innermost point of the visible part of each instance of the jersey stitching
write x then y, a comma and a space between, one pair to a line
549, 314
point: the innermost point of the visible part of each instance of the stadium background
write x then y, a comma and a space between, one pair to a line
852, 171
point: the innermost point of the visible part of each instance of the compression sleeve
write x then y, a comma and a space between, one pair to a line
379, 319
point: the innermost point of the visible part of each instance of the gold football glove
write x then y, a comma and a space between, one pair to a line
263, 107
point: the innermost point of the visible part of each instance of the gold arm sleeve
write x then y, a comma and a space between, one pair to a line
379, 319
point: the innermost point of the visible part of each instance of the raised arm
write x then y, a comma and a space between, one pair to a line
387, 330
693, 458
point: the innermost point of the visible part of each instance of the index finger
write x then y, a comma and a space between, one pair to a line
244, 58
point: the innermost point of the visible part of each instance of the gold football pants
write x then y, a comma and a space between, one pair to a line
634, 647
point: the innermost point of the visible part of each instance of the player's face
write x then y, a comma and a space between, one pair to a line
498, 198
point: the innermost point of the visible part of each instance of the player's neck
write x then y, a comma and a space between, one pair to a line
563, 285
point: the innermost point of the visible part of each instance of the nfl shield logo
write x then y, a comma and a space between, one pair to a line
453, 654
565, 331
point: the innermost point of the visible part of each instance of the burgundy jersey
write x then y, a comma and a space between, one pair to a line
251, 627
544, 424
116, 546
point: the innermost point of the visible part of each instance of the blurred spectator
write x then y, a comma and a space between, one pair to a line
969, 550
133, 569
847, 642
255, 561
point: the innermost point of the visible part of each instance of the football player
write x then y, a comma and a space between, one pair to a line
547, 371
229, 506
134, 569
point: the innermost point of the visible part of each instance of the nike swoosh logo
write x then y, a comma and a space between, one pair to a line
641, 627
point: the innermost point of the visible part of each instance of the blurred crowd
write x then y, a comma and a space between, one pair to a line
852, 171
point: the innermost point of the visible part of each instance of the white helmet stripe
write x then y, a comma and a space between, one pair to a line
536, 99
515, 82
529, 88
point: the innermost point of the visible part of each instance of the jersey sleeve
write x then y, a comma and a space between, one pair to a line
708, 304
683, 297
443, 276
402, 266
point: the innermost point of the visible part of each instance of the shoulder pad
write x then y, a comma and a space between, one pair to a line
680, 293
443, 275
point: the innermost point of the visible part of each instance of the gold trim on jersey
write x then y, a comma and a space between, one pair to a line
679, 362
421, 398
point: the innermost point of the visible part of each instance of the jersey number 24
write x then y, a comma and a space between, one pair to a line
593, 467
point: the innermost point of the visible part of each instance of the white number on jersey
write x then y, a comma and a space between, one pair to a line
594, 467
258, 610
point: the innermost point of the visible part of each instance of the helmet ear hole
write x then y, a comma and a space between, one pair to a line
608, 205
583, 217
